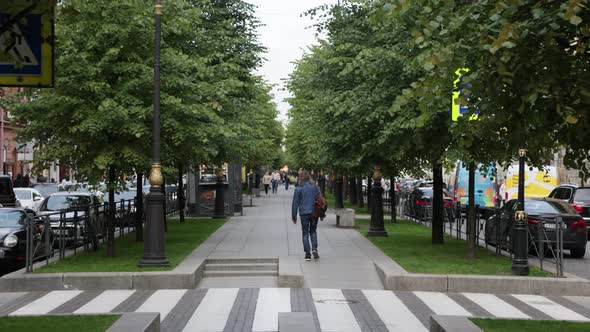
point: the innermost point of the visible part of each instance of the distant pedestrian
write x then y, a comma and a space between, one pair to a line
276, 177
286, 181
266, 181
26, 181
18, 182
304, 204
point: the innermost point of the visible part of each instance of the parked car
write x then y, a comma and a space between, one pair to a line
46, 189
13, 238
420, 202
578, 197
541, 211
72, 207
7, 195
29, 198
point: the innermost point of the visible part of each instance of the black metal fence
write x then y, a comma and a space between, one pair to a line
83, 228
545, 237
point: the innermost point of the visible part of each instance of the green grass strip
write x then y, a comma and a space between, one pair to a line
506, 325
85, 323
181, 240
410, 245
332, 204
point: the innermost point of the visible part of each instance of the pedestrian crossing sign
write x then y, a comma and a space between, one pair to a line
27, 43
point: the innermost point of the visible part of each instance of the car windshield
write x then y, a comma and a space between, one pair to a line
59, 202
124, 195
426, 192
582, 195
47, 189
12, 219
23, 194
547, 207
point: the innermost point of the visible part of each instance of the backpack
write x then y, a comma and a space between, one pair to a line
320, 207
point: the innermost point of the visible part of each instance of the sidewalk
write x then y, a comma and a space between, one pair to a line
266, 230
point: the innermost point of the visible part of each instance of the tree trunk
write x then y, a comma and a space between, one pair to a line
139, 209
339, 203
111, 214
359, 192
369, 192
437, 204
352, 189
345, 188
180, 197
392, 200
471, 245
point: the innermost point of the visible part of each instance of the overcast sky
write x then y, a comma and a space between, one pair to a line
286, 35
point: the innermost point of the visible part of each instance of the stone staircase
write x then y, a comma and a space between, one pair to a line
241, 267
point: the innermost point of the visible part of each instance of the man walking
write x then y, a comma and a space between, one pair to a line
275, 181
304, 203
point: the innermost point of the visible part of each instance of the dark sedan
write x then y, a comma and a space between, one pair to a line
543, 213
13, 238
420, 203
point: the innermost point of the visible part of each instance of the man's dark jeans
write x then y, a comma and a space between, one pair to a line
309, 230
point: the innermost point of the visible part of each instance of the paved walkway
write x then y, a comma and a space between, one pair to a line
266, 230
247, 309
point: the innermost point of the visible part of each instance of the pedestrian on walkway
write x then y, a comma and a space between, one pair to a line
266, 181
276, 177
304, 203
286, 181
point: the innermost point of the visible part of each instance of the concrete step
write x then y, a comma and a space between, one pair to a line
240, 282
213, 274
241, 260
242, 267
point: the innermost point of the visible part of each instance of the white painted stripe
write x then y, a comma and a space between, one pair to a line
270, 302
105, 302
441, 304
162, 301
550, 308
46, 303
393, 312
496, 306
333, 310
212, 314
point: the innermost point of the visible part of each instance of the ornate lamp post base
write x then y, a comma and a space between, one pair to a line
377, 223
154, 253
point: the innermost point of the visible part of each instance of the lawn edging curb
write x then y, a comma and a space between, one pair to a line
452, 324
456, 283
137, 322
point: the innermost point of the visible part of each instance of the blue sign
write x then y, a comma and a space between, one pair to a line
26, 47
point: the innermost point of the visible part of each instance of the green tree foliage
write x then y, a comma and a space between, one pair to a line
100, 113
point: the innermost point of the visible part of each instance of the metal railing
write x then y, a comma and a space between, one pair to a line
84, 228
545, 244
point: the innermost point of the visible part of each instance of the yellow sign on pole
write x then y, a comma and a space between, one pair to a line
459, 109
27, 43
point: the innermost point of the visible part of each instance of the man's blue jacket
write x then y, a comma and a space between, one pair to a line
304, 199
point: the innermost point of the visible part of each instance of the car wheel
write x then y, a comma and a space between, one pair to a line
578, 252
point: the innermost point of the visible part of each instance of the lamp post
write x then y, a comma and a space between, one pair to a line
520, 263
154, 253
377, 225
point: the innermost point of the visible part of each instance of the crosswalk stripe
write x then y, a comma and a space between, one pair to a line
46, 303
393, 312
270, 302
495, 306
441, 304
212, 314
333, 310
550, 308
105, 302
162, 301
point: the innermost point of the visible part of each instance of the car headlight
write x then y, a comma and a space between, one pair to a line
10, 241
